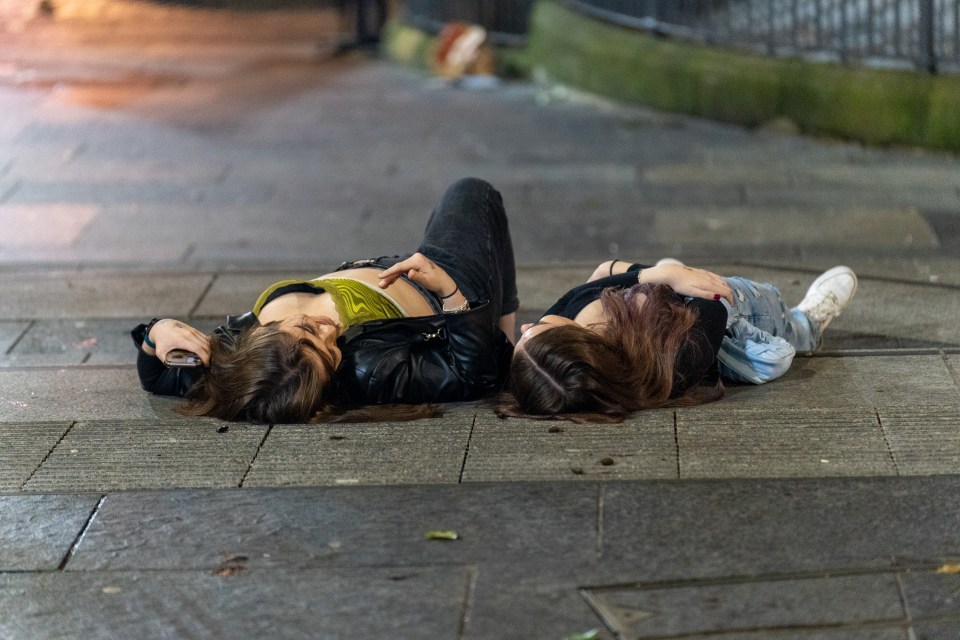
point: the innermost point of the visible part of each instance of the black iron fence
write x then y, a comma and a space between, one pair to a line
920, 34
505, 20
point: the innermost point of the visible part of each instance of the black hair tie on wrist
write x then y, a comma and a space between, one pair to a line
451, 295
611, 266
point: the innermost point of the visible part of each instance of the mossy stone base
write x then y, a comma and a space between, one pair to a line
873, 105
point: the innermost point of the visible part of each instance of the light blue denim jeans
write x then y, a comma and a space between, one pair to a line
763, 334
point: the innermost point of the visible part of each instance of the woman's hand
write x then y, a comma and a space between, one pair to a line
422, 270
169, 334
687, 281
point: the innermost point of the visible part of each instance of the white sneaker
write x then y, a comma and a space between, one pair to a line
828, 296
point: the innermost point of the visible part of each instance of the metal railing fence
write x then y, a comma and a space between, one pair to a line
919, 34
505, 20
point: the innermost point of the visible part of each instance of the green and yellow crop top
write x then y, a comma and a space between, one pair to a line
356, 301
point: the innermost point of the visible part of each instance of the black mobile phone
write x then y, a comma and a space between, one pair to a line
182, 358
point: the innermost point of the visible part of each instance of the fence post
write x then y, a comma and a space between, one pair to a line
928, 51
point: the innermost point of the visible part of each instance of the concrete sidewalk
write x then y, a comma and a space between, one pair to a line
147, 168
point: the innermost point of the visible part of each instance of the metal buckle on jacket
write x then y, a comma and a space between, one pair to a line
439, 334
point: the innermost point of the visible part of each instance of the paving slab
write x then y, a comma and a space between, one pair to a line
747, 527
717, 441
38, 533
734, 607
76, 393
238, 603
108, 456
923, 439
417, 452
23, 447
764, 226
78, 337
847, 382
86, 294
518, 450
87, 169
347, 526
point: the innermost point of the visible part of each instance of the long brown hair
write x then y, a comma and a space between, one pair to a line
263, 375
603, 374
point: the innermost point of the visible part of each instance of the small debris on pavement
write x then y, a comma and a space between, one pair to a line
230, 565
608, 461
555, 430
586, 635
223, 429
577, 470
949, 568
442, 535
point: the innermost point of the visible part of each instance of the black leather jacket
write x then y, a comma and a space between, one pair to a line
439, 358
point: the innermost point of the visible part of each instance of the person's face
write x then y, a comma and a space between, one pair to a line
546, 323
318, 335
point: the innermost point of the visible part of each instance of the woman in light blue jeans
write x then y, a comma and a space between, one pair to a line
637, 337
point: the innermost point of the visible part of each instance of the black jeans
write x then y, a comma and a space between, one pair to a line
468, 235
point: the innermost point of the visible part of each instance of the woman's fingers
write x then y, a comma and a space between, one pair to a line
412, 267
170, 334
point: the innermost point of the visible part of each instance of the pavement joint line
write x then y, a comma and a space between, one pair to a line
188, 252
466, 450
904, 604
20, 337
468, 595
750, 578
203, 294
950, 367
886, 441
76, 541
255, 455
676, 444
759, 264
890, 351
48, 454
600, 501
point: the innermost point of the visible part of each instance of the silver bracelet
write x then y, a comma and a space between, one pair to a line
460, 308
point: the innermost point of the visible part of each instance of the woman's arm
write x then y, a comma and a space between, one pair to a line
609, 268
154, 342
687, 281
421, 269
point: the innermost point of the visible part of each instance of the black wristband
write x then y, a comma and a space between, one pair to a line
452, 294
146, 334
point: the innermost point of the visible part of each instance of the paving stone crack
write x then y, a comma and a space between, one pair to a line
255, 455
83, 530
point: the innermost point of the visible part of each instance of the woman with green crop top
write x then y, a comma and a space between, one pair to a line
426, 327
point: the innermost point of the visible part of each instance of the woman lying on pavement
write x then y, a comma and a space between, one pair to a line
637, 337
428, 327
